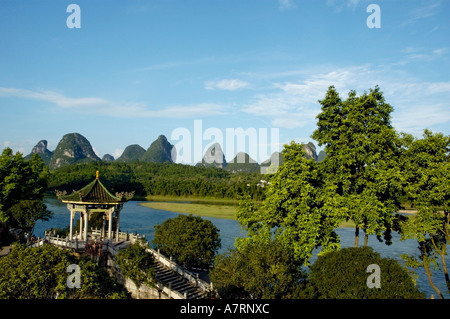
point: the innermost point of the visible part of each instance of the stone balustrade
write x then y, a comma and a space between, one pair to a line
113, 248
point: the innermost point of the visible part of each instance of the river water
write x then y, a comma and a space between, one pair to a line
135, 218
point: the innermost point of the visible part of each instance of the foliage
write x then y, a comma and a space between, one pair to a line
427, 174
191, 240
361, 166
27, 212
138, 265
40, 273
295, 211
159, 179
258, 269
343, 275
73, 148
20, 180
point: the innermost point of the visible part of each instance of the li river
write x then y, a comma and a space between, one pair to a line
135, 218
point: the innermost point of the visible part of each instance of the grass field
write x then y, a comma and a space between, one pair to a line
202, 209
205, 207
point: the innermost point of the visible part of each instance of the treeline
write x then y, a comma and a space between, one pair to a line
159, 179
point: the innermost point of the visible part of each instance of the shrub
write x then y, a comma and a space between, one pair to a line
343, 275
191, 240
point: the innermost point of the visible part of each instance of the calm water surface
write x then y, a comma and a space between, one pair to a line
135, 218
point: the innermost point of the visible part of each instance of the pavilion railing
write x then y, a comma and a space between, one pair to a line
113, 249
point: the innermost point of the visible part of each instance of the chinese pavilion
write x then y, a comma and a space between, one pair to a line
94, 198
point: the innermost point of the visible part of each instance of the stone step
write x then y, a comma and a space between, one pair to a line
177, 283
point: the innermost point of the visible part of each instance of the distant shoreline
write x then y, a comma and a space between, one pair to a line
211, 207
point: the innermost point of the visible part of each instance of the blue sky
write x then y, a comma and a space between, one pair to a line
137, 69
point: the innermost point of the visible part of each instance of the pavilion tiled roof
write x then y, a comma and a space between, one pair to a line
95, 192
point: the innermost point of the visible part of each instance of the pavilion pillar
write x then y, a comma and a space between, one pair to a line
109, 224
86, 218
103, 227
71, 224
117, 225
81, 226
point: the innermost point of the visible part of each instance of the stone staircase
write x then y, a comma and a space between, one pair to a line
177, 283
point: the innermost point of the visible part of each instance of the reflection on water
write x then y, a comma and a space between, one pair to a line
135, 218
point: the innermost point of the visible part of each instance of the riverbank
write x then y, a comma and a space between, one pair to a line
212, 207
206, 209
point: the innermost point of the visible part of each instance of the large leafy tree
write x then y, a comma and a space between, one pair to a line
427, 171
27, 212
258, 269
20, 180
191, 240
361, 167
296, 210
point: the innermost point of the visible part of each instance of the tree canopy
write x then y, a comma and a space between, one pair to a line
191, 240
427, 179
259, 269
361, 166
343, 275
41, 273
20, 180
27, 212
295, 211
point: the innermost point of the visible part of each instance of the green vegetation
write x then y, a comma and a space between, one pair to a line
370, 170
73, 148
293, 211
258, 269
41, 273
362, 175
132, 153
203, 209
343, 275
159, 151
165, 179
27, 212
190, 240
20, 180
427, 171
138, 265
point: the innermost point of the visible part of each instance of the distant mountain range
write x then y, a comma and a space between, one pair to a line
75, 148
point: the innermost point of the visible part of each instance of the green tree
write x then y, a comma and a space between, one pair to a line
20, 180
138, 265
27, 212
41, 273
361, 167
191, 240
343, 275
427, 172
295, 211
258, 269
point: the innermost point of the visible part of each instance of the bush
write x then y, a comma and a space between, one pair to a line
41, 273
191, 240
343, 274
257, 269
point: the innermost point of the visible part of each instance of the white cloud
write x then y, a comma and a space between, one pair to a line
226, 84
95, 105
286, 5
417, 104
343, 4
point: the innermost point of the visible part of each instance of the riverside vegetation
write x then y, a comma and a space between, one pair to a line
369, 173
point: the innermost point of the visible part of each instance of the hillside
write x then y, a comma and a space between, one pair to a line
160, 151
73, 148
